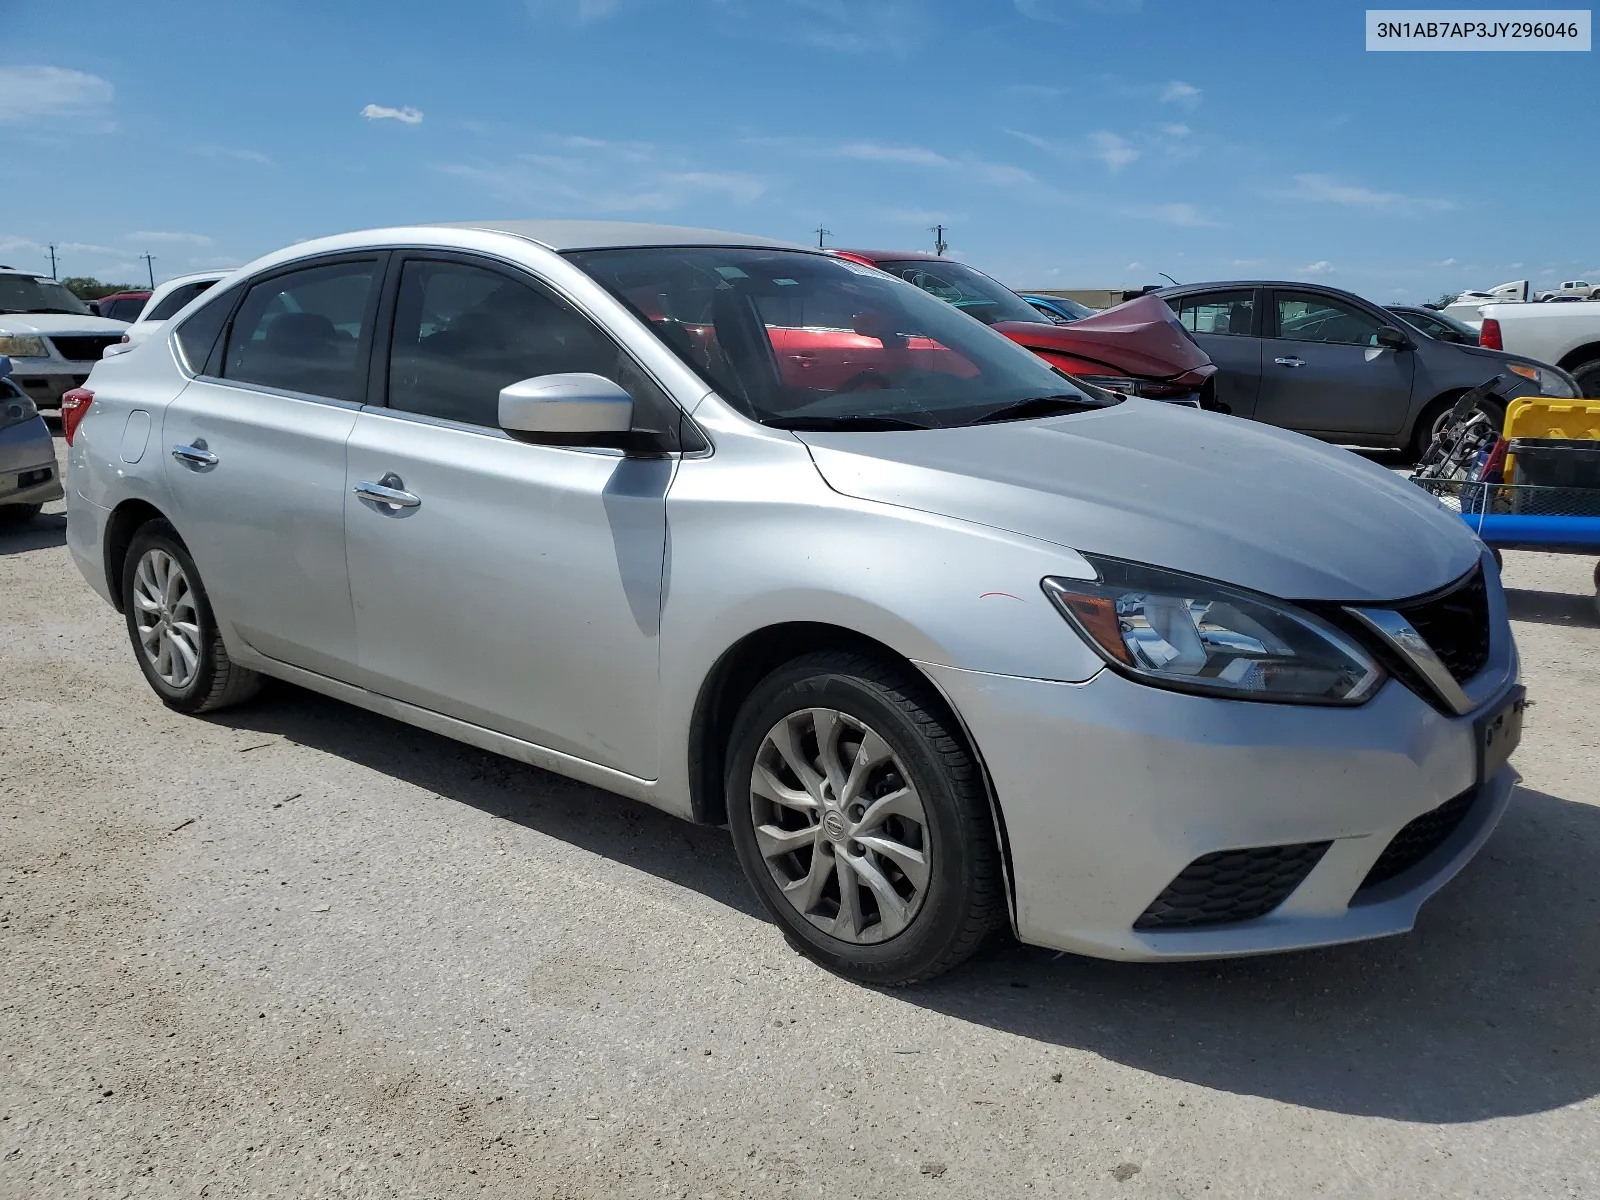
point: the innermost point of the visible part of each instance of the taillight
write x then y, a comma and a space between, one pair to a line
125, 338
74, 407
1489, 335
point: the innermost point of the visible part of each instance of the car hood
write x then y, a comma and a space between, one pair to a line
1141, 337
1212, 495
53, 323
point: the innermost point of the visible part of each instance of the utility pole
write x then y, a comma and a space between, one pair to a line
822, 233
52, 260
939, 244
149, 266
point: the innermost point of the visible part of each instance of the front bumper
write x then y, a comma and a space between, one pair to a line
28, 471
46, 380
1109, 789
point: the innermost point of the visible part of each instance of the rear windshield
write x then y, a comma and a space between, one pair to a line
789, 336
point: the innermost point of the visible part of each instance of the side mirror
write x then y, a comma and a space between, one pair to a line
567, 408
1391, 337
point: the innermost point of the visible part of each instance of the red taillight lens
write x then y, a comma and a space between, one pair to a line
126, 338
1489, 335
74, 407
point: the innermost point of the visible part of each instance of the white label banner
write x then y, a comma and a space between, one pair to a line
1505, 29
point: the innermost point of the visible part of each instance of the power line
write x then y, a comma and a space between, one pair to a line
822, 233
939, 244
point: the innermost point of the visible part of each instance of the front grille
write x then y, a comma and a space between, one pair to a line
83, 347
1232, 885
1456, 625
1419, 839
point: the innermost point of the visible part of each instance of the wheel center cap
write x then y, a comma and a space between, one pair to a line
833, 825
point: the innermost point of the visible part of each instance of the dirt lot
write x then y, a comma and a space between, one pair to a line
302, 951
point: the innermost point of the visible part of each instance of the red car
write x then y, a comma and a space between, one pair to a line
122, 306
1137, 347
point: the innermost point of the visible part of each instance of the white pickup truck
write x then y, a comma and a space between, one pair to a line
1567, 335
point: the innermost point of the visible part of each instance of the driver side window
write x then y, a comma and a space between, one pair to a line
462, 332
1307, 317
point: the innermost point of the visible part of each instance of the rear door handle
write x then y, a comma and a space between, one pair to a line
196, 455
389, 490
1290, 362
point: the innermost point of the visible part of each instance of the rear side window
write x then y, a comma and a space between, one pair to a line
1229, 313
198, 334
122, 310
176, 299
302, 331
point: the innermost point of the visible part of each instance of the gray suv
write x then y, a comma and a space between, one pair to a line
1327, 363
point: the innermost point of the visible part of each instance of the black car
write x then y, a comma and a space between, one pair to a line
1440, 326
1327, 363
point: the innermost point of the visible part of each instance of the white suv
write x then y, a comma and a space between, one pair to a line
51, 337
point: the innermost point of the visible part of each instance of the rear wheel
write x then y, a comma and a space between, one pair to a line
861, 820
173, 631
18, 514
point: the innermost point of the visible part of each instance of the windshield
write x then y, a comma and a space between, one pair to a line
794, 338
30, 294
973, 292
1061, 308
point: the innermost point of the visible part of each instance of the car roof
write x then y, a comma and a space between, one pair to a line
885, 255
1217, 285
601, 235
195, 276
125, 295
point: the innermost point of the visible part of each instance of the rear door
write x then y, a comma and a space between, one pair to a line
1227, 326
1323, 371
255, 458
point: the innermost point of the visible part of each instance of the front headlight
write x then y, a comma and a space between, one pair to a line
1552, 381
1193, 635
22, 345
15, 407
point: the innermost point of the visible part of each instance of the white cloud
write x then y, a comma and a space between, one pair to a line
1134, 266
29, 93
1326, 189
146, 235
406, 116
1116, 152
916, 156
920, 216
1400, 291
251, 156
1176, 130
578, 12
608, 177
1179, 92
1186, 216
1448, 262
1514, 267
1321, 267
1248, 262
10, 244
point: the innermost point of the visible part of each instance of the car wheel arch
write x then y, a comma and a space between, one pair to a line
752, 658
125, 521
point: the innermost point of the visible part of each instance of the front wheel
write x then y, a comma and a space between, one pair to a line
861, 820
1587, 376
172, 628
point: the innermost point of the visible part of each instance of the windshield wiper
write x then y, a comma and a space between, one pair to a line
1039, 406
847, 422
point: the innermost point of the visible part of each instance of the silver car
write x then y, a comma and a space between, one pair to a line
28, 476
768, 539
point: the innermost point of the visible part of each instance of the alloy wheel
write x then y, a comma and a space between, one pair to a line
840, 825
165, 616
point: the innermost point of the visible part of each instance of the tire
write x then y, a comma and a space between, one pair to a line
1588, 377
1422, 434
19, 514
926, 873
170, 624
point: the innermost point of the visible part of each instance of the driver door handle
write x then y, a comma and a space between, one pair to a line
388, 492
1290, 362
195, 456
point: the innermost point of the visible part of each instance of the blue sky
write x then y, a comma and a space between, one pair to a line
1063, 142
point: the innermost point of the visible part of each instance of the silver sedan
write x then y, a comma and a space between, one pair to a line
947, 639
28, 476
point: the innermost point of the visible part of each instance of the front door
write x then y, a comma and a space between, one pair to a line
1325, 373
516, 586
255, 460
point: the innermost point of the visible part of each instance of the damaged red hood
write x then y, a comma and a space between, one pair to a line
1139, 337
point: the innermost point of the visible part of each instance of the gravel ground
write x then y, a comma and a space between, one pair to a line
299, 950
